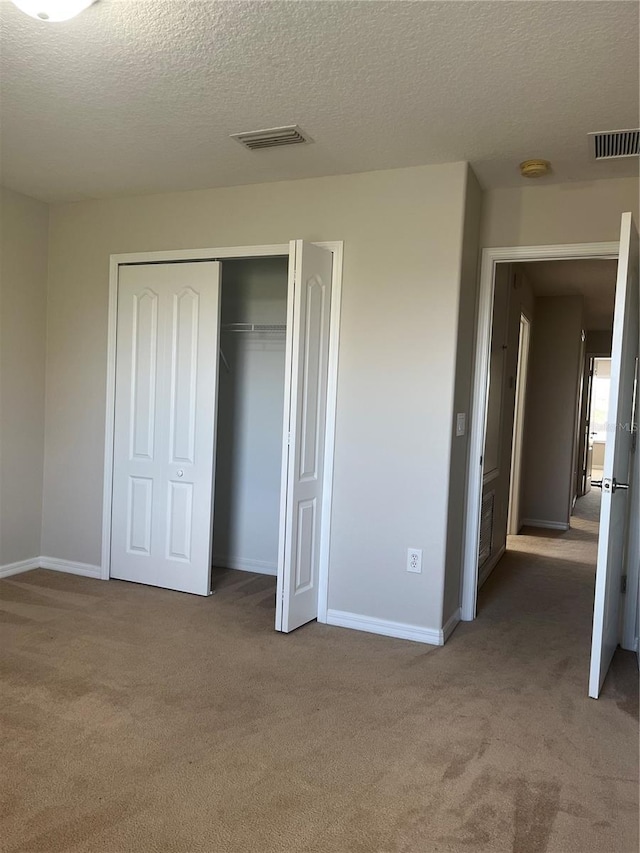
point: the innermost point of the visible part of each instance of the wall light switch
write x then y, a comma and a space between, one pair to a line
461, 423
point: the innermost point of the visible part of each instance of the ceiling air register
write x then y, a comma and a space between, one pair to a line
614, 144
274, 137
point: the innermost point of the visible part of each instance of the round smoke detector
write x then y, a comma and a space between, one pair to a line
534, 168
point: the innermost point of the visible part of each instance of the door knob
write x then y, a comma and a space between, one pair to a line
180, 473
615, 485
610, 484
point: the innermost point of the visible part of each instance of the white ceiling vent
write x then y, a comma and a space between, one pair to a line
612, 144
274, 137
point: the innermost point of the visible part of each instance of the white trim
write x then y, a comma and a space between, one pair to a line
246, 564
450, 625
71, 568
107, 483
330, 433
522, 376
21, 566
399, 630
478, 417
164, 257
490, 257
490, 565
543, 522
84, 569
554, 252
286, 436
336, 248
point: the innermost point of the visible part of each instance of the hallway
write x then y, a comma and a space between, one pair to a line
540, 596
546, 580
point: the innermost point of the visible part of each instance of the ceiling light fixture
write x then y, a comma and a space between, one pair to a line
53, 11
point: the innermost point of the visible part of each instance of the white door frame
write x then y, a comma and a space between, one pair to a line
220, 254
524, 341
480, 396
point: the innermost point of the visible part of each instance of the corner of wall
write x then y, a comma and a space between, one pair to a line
465, 347
25, 226
46, 375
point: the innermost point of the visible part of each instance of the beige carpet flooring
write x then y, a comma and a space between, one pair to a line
134, 719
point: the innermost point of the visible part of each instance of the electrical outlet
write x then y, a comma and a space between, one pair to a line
414, 560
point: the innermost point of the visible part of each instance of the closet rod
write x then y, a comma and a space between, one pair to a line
253, 327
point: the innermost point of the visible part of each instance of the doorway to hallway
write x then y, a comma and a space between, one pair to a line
551, 458
548, 578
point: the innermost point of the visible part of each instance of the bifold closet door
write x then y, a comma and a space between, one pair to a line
164, 430
310, 275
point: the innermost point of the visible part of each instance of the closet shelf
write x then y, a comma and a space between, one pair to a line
261, 328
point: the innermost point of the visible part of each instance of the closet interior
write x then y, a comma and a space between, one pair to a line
247, 482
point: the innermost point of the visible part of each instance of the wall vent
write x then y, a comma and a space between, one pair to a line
486, 528
274, 137
614, 144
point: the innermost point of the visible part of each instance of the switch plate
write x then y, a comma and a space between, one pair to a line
414, 560
461, 424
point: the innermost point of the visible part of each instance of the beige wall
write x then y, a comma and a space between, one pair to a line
597, 460
557, 213
465, 355
598, 344
551, 409
23, 303
402, 233
407, 247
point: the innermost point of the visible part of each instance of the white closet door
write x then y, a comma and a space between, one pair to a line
617, 527
164, 431
309, 355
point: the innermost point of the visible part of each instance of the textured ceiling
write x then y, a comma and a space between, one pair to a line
138, 96
593, 279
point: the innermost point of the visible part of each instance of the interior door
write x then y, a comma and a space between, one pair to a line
305, 412
615, 521
164, 430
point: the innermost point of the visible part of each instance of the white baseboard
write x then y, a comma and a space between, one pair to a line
52, 563
399, 630
244, 564
490, 565
19, 567
71, 568
548, 525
